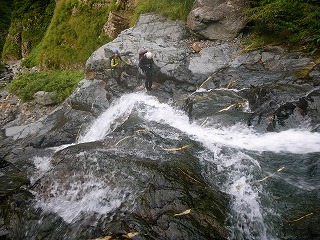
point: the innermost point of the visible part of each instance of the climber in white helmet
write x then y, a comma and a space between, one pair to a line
146, 64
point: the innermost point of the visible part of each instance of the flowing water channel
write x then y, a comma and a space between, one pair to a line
271, 177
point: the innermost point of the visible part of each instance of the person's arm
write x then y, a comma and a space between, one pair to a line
126, 62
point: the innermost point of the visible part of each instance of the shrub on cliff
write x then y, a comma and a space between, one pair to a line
61, 82
293, 22
29, 21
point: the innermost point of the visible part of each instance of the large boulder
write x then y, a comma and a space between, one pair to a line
218, 19
165, 38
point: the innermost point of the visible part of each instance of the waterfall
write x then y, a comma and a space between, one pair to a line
241, 170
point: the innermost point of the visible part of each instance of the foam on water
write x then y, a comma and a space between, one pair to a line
115, 115
246, 206
81, 198
298, 141
236, 164
43, 165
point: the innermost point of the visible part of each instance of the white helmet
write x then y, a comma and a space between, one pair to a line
148, 55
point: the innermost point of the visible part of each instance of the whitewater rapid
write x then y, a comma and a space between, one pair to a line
240, 168
247, 215
299, 141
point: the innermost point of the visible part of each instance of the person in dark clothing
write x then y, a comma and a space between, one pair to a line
146, 64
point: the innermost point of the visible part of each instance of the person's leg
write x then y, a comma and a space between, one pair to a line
117, 75
148, 82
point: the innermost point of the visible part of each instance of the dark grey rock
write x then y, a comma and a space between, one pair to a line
154, 186
218, 19
45, 98
62, 126
90, 96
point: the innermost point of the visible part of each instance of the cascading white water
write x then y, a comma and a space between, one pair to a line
82, 197
73, 196
240, 168
114, 116
238, 136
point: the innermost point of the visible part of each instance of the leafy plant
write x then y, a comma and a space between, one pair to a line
293, 22
63, 82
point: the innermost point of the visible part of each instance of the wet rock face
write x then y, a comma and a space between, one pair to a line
165, 39
128, 185
283, 106
217, 19
145, 189
11, 178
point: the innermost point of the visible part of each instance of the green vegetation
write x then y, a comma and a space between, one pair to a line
29, 21
63, 34
73, 34
5, 13
173, 9
62, 82
292, 22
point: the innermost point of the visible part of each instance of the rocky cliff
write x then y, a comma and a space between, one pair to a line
269, 90
60, 34
264, 77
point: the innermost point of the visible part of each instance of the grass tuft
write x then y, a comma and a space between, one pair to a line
172, 9
63, 82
